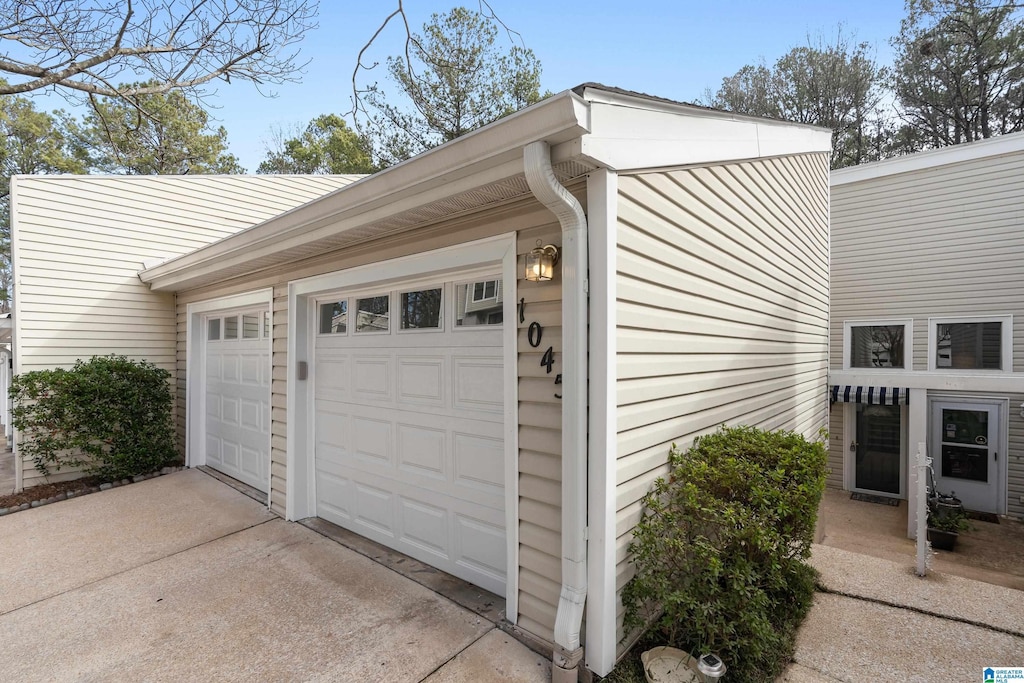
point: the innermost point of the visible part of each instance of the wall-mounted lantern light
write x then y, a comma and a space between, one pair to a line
540, 263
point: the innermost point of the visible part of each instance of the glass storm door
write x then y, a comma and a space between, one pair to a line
965, 452
877, 465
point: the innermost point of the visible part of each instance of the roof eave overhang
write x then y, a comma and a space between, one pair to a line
598, 129
483, 157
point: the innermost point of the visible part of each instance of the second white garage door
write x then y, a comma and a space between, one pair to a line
408, 384
237, 396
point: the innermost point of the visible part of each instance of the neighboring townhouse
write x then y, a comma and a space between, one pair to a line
78, 243
927, 284
539, 309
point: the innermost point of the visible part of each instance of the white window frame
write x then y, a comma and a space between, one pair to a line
469, 284
422, 330
1006, 342
908, 342
353, 311
329, 301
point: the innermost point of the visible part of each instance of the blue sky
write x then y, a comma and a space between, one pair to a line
669, 49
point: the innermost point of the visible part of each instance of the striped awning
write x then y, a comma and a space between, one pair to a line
883, 396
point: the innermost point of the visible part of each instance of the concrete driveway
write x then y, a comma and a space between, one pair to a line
183, 578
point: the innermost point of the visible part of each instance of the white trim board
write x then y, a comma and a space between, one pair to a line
482, 256
195, 367
602, 200
1004, 144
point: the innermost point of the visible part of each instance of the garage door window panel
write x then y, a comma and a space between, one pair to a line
231, 327
334, 317
250, 326
479, 303
213, 329
373, 315
421, 309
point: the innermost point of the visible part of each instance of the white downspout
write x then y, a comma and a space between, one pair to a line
568, 621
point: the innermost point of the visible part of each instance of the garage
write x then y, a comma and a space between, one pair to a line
409, 420
236, 395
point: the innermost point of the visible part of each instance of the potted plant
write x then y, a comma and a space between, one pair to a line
946, 519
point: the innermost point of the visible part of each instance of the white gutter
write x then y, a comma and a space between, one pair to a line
568, 620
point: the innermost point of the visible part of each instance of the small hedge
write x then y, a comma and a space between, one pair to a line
721, 547
109, 415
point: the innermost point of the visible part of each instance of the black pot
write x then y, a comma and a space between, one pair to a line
942, 540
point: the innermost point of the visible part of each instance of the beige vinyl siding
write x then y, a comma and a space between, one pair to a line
835, 450
944, 241
939, 242
540, 412
79, 242
722, 312
1015, 460
540, 447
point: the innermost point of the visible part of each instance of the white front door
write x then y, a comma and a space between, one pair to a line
409, 421
237, 396
966, 440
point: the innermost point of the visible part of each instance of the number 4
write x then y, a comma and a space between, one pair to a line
548, 359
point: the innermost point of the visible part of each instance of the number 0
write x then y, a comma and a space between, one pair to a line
534, 334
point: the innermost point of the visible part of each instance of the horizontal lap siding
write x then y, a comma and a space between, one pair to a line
835, 446
939, 242
540, 446
945, 241
722, 312
79, 242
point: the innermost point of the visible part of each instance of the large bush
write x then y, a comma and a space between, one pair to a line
720, 551
109, 415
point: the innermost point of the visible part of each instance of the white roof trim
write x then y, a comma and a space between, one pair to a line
992, 147
473, 160
604, 128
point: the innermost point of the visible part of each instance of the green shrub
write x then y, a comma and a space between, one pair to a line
108, 415
720, 550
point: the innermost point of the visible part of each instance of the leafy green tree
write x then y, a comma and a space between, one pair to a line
158, 134
31, 141
454, 79
836, 85
327, 145
959, 72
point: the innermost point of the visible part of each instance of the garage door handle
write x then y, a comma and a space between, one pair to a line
302, 370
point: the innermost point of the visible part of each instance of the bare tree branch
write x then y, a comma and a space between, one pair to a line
172, 44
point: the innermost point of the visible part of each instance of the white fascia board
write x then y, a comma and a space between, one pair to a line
998, 146
629, 137
487, 155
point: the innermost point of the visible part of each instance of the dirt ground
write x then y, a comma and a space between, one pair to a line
988, 552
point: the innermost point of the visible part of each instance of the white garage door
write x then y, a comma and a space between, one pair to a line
409, 423
237, 396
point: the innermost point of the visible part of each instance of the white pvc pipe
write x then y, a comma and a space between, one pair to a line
921, 508
552, 194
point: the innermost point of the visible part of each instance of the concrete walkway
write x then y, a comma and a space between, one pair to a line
878, 621
184, 578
